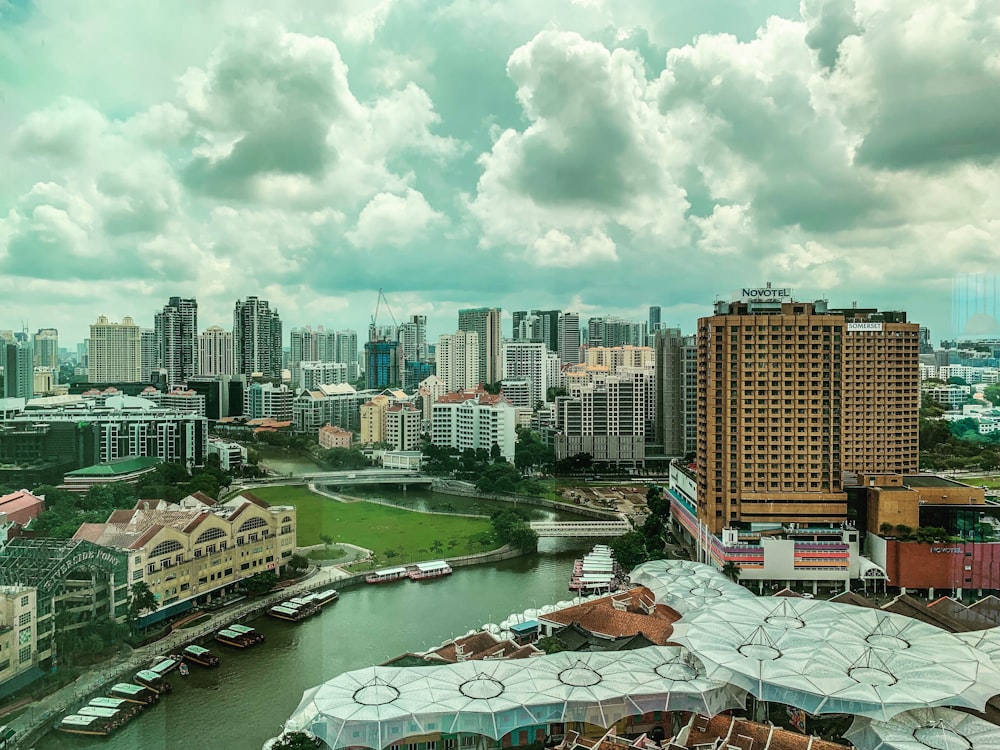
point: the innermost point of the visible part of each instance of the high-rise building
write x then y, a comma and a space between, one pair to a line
605, 419
791, 395
474, 419
149, 354
569, 338
309, 375
457, 357
215, 351
176, 327
614, 331
268, 401
676, 391
18, 368
537, 325
654, 318
485, 321
115, 351
83, 353
382, 364
975, 305
527, 360
256, 338
303, 346
617, 357
346, 351
46, 348
413, 339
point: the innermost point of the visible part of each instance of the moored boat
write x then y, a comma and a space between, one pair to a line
77, 724
596, 573
326, 597
134, 693
386, 575
200, 655
432, 569
239, 636
113, 717
293, 612
121, 704
152, 680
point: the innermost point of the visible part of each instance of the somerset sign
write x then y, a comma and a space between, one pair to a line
864, 326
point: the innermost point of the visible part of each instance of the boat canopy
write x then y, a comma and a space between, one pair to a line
197, 650
433, 565
280, 609
389, 572
148, 674
128, 687
163, 666
241, 629
229, 633
328, 593
103, 702
107, 713
79, 721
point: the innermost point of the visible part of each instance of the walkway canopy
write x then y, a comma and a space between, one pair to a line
686, 586
835, 658
925, 729
378, 706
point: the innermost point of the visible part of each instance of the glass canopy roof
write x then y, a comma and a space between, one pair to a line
925, 729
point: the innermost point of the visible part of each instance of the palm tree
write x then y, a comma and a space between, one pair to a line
731, 571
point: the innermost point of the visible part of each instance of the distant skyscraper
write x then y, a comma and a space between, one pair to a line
115, 351
46, 348
569, 338
18, 369
149, 353
215, 352
413, 339
382, 364
346, 351
83, 352
176, 327
457, 357
256, 338
485, 321
975, 305
654, 318
676, 391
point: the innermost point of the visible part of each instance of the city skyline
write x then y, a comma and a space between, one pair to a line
843, 149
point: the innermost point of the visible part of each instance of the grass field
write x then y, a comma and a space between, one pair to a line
379, 527
990, 483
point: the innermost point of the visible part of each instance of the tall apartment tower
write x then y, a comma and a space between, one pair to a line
18, 364
303, 346
346, 345
655, 311
215, 352
485, 321
457, 358
537, 325
176, 327
256, 338
676, 391
115, 354
791, 395
527, 360
46, 348
149, 353
413, 339
569, 338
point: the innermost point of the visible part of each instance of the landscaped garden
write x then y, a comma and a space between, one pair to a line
395, 535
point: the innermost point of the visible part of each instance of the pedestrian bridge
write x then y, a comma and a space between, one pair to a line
580, 528
344, 478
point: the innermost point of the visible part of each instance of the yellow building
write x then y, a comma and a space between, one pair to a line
373, 420
18, 634
197, 549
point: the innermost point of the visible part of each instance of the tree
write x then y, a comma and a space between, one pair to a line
326, 539
630, 550
140, 599
295, 741
731, 571
437, 545
885, 528
297, 563
260, 583
551, 645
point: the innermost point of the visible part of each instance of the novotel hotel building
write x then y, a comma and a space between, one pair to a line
791, 395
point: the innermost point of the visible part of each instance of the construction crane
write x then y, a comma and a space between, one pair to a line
373, 326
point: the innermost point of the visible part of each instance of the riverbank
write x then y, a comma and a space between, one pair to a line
467, 489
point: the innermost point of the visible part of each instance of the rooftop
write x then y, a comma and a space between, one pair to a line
620, 615
117, 468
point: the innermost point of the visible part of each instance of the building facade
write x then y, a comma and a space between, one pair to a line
474, 419
176, 328
402, 427
569, 338
268, 401
676, 358
306, 374
485, 322
215, 352
605, 419
524, 360
257, 340
458, 360
45, 343
114, 353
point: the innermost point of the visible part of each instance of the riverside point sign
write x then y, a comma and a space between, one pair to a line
769, 293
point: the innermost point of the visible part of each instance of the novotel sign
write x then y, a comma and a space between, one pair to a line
947, 550
766, 293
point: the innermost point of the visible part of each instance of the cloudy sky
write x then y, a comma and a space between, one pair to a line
594, 155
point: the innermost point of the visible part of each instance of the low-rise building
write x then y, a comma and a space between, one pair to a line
402, 427
231, 455
331, 436
409, 460
197, 549
128, 470
19, 655
21, 506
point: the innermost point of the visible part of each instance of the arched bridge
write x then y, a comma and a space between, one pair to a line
580, 528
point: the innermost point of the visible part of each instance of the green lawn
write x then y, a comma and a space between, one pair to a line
379, 527
990, 483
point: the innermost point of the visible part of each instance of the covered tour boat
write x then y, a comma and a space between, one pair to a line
433, 569
91, 725
200, 655
326, 597
239, 636
134, 693
292, 611
152, 680
120, 704
386, 575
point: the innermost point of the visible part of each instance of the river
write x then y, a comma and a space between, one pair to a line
244, 701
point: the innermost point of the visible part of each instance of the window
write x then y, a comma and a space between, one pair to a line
166, 547
24, 601
136, 575
24, 654
251, 523
209, 535
24, 619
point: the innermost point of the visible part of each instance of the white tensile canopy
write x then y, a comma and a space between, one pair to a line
686, 586
377, 706
925, 729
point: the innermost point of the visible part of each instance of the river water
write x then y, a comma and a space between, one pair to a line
247, 698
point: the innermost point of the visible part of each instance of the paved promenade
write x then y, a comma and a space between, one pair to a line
121, 668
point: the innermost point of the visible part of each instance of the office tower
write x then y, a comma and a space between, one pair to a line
215, 352
614, 331
83, 353
569, 338
149, 353
791, 395
527, 360
457, 357
654, 319
517, 322
549, 323
605, 419
256, 338
115, 351
413, 339
46, 348
382, 364
485, 321
676, 391
176, 327
346, 351
18, 368
926, 347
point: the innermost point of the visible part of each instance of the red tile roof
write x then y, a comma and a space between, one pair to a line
750, 735
624, 614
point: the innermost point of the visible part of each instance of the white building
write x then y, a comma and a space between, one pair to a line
458, 360
179, 399
402, 427
115, 354
338, 405
430, 390
569, 338
306, 374
231, 455
215, 352
267, 400
176, 328
529, 361
485, 321
518, 392
952, 397
474, 419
